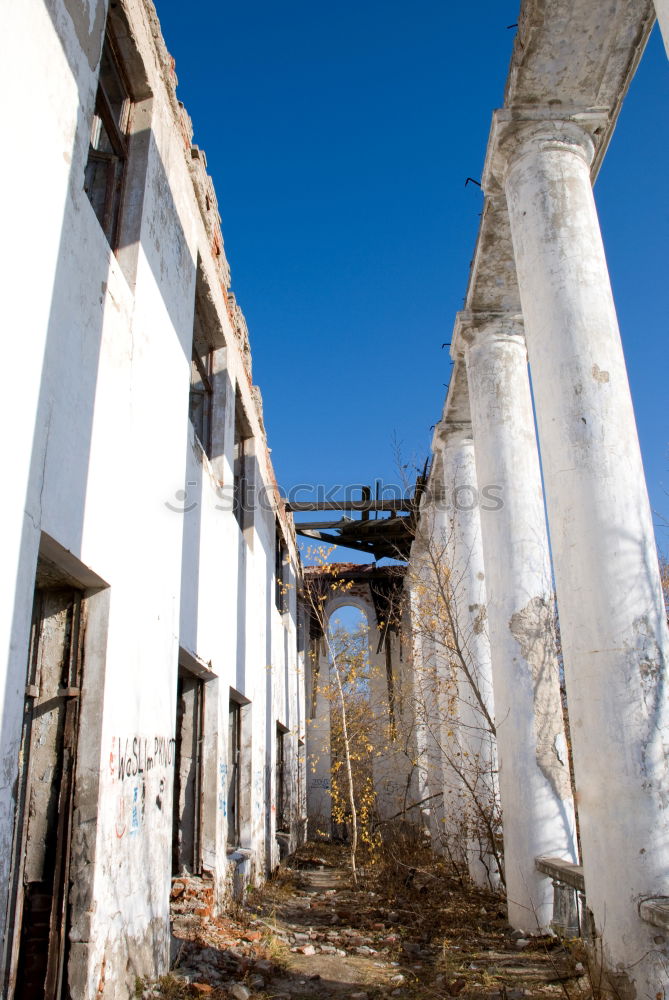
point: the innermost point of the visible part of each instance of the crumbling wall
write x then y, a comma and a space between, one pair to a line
106, 464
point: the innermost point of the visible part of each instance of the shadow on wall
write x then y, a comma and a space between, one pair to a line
189, 508
247, 533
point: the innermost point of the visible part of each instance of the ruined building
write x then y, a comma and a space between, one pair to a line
156, 678
158, 726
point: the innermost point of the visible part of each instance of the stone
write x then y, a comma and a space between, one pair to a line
239, 992
186, 975
456, 987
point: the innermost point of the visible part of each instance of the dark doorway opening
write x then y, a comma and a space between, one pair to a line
187, 814
39, 920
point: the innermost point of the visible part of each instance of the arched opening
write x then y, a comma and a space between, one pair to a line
351, 721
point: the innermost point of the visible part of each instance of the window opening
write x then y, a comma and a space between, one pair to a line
108, 150
280, 555
234, 773
241, 499
200, 400
301, 770
281, 804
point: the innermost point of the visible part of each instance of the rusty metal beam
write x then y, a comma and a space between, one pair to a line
404, 505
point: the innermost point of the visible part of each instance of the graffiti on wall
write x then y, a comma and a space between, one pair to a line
138, 768
222, 788
259, 790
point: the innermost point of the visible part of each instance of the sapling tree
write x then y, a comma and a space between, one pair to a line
321, 588
454, 696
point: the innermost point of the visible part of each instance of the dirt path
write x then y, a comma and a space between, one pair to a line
404, 932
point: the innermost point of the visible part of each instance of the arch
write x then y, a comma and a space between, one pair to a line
352, 600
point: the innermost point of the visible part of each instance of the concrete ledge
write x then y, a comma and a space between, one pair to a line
655, 911
562, 871
196, 665
239, 855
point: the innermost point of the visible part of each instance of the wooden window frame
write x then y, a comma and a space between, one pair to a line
281, 803
117, 160
243, 435
234, 794
203, 365
280, 553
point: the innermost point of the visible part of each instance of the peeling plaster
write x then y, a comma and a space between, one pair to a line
534, 630
479, 615
89, 21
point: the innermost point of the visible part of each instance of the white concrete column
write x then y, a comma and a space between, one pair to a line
431, 707
537, 805
662, 11
459, 521
421, 697
429, 633
391, 766
614, 631
319, 757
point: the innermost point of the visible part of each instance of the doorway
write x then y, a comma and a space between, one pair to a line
39, 919
187, 800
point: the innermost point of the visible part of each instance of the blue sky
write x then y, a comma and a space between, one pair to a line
339, 138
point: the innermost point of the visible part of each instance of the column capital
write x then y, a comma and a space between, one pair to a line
450, 433
475, 327
515, 133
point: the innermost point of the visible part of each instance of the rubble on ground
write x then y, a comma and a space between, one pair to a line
311, 933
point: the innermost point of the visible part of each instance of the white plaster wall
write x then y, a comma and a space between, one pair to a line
662, 11
26, 310
95, 391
